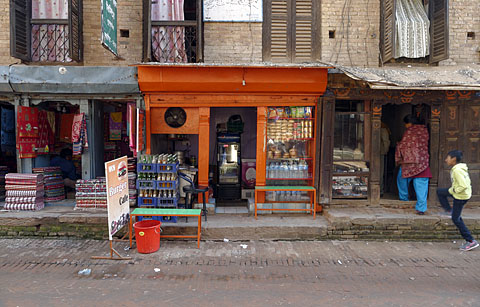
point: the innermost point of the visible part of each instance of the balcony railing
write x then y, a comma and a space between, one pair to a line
50, 40
174, 41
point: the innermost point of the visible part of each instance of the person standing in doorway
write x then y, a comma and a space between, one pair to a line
461, 192
413, 158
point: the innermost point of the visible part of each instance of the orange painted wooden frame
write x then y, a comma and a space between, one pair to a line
313, 200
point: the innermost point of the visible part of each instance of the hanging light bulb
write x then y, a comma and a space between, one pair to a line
64, 110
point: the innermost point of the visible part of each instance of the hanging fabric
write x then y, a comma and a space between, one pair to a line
7, 132
412, 27
131, 126
115, 124
27, 131
168, 43
66, 121
43, 133
79, 134
51, 127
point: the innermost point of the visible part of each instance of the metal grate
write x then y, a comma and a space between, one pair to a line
50, 43
174, 44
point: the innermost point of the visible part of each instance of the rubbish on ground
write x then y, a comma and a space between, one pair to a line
244, 246
156, 270
339, 262
126, 248
226, 240
85, 272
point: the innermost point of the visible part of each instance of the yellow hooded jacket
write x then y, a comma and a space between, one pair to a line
461, 186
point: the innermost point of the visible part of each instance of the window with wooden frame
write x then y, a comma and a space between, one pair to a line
172, 31
351, 149
391, 29
46, 31
291, 31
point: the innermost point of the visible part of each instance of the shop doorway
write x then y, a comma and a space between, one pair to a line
394, 127
233, 138
8, 155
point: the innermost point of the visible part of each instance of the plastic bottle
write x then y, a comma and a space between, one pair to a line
295, 170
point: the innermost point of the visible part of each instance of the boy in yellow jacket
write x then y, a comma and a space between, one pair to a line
460, 191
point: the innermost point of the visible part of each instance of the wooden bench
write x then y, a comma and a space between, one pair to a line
312, 192
167, 212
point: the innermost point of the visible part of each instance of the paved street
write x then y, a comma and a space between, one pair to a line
35, 272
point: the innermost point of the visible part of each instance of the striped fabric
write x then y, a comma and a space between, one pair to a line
412, 27
24, 192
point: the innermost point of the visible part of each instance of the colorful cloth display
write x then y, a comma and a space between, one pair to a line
79, 134
53, 183
131, 126
43, 133
91, 194
27, 131
7, 131
28, 192
3, 172
115, 125
66, 122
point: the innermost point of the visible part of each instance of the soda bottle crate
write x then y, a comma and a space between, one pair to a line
146, 184
163, 202
146, 167
147, 201
166, 185
167, 168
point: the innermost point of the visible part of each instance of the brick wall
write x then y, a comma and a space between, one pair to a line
232, 42
464, 18
355, 25
357, 31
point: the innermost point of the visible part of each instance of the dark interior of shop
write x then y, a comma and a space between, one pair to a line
392, 121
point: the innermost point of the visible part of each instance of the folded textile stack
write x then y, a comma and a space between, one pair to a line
91, 194
24, 192
132, 181
3, 172
53, 183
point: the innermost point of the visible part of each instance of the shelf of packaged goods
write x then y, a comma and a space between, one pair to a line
309, 178
287, 159
297, 118
292, 139
350, 174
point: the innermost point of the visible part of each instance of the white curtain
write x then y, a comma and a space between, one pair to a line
50, 42
168, 43
413, 29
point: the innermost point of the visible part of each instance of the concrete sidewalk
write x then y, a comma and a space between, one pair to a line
337, 222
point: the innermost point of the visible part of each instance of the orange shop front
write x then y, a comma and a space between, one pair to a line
279, 106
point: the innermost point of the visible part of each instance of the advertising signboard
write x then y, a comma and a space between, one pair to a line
117, 194
109, 25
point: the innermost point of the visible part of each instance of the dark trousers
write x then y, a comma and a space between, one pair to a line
458, 204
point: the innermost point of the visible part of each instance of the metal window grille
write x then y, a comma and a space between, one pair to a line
50, 42
174, 44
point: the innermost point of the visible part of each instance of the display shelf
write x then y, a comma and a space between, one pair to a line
304, 179
294, 118
351, 174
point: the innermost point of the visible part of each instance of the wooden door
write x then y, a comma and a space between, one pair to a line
461, 130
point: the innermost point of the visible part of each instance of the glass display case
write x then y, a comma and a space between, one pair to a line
229, 166
290, 147
351, 165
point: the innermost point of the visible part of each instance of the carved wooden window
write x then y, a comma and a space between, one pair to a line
42, 31
438, 34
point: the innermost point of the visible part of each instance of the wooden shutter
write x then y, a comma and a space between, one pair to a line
147, 31
280, 29
326, 156
387, 30
439, 43
199, 31
20, 30
303, 30
75, 29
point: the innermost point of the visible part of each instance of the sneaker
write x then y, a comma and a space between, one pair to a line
469, 245
446, 213
420, 212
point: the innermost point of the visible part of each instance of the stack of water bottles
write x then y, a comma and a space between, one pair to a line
287, 169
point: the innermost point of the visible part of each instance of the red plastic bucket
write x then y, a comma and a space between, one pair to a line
147, 235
